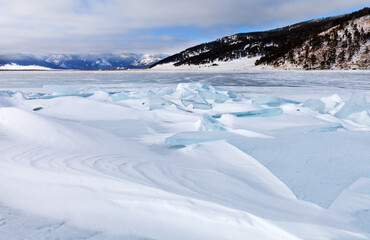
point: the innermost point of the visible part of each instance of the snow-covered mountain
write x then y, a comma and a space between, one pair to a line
16, 67
339, 42
82, 62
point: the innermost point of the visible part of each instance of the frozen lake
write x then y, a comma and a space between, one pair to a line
185, 155
336, 79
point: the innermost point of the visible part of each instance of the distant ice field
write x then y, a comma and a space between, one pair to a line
185, 155
107, 79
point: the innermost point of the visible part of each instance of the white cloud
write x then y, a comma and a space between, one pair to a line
84, 25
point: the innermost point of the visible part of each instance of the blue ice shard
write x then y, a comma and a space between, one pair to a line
355, 109
208, 123
156, 101
315, 104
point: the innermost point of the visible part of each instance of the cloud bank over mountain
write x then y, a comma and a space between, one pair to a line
81, 26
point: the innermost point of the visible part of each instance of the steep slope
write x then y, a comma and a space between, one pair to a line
273, 45
345, 46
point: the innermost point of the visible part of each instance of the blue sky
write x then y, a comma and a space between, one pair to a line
145, 26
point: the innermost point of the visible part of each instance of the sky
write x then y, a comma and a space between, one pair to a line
146, 26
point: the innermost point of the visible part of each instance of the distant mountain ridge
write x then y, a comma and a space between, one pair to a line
339, 42
83, 61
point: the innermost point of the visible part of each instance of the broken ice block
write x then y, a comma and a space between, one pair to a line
4, 102
183, 91
165, 91
6, 93
331, 102
202, 106
121, 96
272, 101
231, 94
208, 123
197, 94
315, 104
220, 97
355, 109
198, 102
156, 101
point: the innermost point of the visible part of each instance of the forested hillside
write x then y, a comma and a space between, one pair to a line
333, 42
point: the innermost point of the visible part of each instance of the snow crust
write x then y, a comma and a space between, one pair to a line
186, 160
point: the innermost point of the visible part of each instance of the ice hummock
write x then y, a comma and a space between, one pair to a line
331, 102
6, 93
315, 104
156, 101
355, 109
197, 101
121, 96
201, 95
5, 98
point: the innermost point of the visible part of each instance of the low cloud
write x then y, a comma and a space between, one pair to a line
71, 26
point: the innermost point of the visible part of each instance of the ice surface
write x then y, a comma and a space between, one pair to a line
268, 112
315, 104
354, 202
69, 90
63, 90
189, 138
330, 128
272, 101
94, 165
355, 109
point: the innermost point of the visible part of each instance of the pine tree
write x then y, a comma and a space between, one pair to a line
341, 56
313, 60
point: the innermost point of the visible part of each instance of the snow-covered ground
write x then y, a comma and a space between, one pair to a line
241, 64
16, 67
184, 155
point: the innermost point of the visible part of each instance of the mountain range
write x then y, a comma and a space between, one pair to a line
339, 42
80, 62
